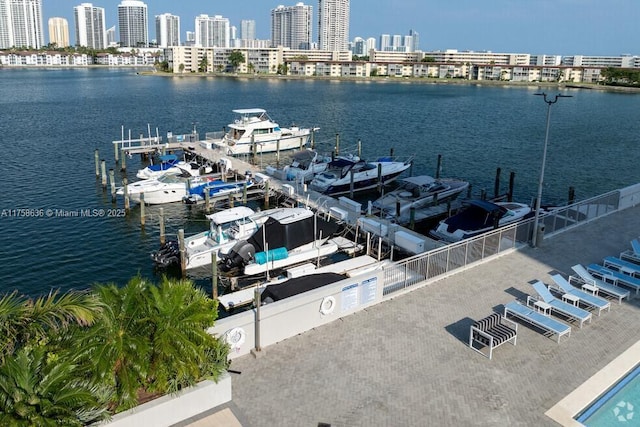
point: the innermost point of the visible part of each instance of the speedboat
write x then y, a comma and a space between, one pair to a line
253, 131
288, 237
342, 172
216, 188
226, 228
171, 164
166, 188
418, 192
479, 216
305, 164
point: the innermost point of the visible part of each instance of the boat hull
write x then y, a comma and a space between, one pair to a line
235, 148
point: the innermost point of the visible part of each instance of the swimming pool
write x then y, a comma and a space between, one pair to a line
619, 406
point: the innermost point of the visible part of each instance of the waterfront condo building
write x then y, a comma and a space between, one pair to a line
167, 30
58, 32
21, 24
134, 23
333, 25
248, 29
91, 30
291, 26
212, 31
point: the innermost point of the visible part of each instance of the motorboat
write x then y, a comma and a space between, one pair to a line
418, 192
166, 188
286, 238
342, 174
171, 164
479, 216
226, 228
304, 165
216, 188
253, 131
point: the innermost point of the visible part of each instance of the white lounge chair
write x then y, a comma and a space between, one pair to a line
622, 279
590, 300
633, 254
549, 325
605, 286
569, 311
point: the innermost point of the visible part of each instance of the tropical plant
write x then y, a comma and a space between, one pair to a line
39, 390
235, 59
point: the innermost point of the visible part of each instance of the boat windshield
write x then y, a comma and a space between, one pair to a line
170, 179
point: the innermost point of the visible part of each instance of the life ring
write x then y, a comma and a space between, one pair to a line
328, 305
235, 337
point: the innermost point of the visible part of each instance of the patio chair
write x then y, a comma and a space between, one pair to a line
563, 308
590, 300
622, 279
492, 332
606, 286
633, 254
549, 325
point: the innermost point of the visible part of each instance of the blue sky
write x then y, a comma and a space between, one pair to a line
554, 27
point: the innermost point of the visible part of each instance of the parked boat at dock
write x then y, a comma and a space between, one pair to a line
304, 165
479, 216
418, 192
253, 131
226, 228
342, 172
286, 238
166, 188
216, 188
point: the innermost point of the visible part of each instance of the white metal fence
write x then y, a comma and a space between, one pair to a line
442, 261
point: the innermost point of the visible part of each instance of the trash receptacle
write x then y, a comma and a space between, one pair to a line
539, 234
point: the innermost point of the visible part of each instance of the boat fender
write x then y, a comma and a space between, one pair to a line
235, 338
328, 305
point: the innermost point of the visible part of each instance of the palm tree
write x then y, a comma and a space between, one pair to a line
38, 390
24, 321
118, 344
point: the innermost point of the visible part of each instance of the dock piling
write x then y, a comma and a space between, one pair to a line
123, 167
337, 144
103, 169
496, 184
439, 166
207, 201
115, 153
512, 180
183, 258
142, 218
214, 275
572, 196
351, 183
379, 177
127, 202
359, 148
97, 158
266, 194
161, 222
112, 180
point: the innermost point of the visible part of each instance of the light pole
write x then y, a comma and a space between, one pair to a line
550, 102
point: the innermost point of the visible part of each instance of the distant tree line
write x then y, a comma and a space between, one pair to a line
621, 77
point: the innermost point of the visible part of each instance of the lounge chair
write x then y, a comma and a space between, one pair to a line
570, 311
549, 325
622, 279
590, 300
626, 267
605, 286
633, 254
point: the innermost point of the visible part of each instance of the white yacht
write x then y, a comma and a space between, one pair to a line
253, 131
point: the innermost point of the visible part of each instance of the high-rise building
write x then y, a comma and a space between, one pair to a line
167, 30
58, 32
134, 23
415, 37
291, 26
212, 31
333, 25
21, 24
385, 42
111, 36
91, 30
248, 29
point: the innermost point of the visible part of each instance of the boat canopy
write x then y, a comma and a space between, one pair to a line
299, 285
229, 215
166, 158
291, 235
245, 111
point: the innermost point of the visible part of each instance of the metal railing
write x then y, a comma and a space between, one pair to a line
443, 261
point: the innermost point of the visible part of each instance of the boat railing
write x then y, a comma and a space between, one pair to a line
445, 260
214, 135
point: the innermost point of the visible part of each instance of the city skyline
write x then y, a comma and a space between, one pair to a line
561, 27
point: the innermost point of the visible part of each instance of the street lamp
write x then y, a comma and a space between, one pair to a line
550, 102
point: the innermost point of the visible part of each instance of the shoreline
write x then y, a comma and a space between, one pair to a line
409, 80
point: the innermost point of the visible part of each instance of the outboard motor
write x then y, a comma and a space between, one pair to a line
241, 254
168, 254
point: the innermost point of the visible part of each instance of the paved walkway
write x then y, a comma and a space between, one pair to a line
405, 362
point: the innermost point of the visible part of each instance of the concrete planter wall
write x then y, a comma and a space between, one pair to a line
169, 410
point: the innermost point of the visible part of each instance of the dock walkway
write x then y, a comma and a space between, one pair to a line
405, 362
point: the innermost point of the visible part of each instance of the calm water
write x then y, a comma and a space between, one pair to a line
51, 121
